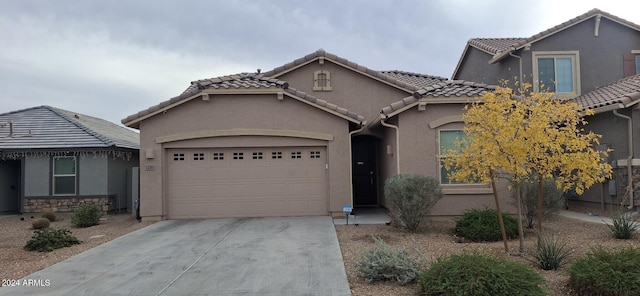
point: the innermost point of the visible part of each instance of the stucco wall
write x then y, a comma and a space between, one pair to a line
350, 89
92, 173
37, 178
420, 149
225, 112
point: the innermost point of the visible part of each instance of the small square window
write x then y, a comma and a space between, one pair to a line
276, 155
238, 155
178, 156
198, 156
218, 156
314, 154
257, 155
296, 155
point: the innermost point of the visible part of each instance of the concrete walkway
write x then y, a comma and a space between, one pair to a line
586, 217
249, 256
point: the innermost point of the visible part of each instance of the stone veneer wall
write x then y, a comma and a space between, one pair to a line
66, 204
622, 180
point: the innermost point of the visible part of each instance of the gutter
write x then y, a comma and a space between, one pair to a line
629, 157
397, 141
520, 63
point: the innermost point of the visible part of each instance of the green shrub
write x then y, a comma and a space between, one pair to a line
475, 274
410, 198
381, 263
40, 223
624, 226
606, 272
47, 240
483, 225
86, 215
552, 199
49, 216
550, 253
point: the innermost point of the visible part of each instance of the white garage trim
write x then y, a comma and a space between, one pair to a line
243, 132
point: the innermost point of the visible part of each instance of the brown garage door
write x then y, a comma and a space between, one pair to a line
247, 182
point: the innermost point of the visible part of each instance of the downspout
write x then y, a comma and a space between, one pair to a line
397, 142
629, 157
351, 162
520, 77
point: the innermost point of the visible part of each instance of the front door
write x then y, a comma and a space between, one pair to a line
10, 186
364, 155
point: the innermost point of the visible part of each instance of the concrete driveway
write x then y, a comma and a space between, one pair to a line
248, 256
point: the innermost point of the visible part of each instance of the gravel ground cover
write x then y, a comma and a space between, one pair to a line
14, 234
435, 239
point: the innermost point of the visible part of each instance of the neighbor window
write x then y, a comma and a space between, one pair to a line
637, 64
64, 175
322, 80
557, 72
448, 140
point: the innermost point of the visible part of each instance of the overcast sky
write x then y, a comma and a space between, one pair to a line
111, 59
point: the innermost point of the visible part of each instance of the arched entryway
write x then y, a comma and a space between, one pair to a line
364, 155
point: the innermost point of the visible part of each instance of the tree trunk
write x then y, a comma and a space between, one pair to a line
539, 207
500, 220
520, 230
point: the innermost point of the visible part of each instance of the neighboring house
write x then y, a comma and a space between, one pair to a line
53, 159
577, 59
305, 138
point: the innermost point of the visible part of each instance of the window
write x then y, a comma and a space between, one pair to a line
198, 156
178, 156
321, 80
637, 64
218, 156
257, 155
238, 155
64, 175
557, 72
448, 139
314, 154
296, 155
276, 155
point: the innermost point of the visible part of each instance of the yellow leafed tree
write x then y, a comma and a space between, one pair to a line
513, 136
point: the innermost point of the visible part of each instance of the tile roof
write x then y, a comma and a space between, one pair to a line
624, 91
446, 89
320, 53
47, 127
241, 81
494, 45
416, 79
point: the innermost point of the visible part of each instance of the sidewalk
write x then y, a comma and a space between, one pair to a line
586, 217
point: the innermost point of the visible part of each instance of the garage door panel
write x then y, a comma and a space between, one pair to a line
281, 181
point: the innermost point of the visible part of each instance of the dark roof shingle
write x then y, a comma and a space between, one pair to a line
47, 127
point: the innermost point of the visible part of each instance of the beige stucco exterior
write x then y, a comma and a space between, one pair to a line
299, 113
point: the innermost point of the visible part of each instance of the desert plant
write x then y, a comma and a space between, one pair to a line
624, 226
552, 199
49, 216
40, 223
86, 215
482, 225
47, 240
410, 198
381, 262
550, 252
606, 272
477, 274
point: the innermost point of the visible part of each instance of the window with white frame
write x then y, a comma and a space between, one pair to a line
448, 140
321, 80
64, 175
557, 72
